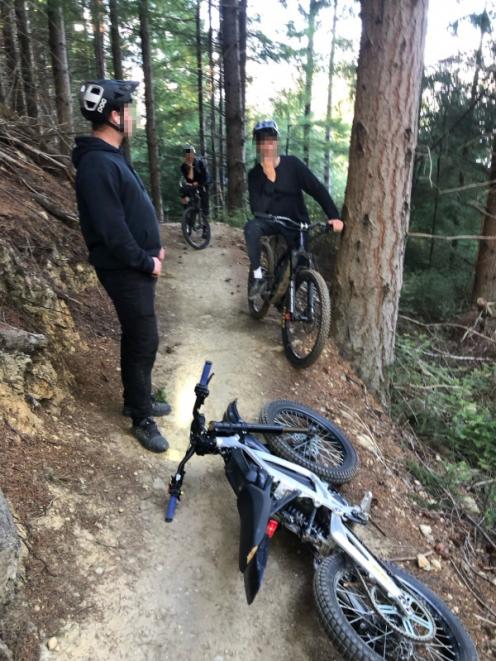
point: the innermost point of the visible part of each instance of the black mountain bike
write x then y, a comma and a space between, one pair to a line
294, 286
194, 223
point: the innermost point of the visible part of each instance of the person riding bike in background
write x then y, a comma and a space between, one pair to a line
195, 175
276, 185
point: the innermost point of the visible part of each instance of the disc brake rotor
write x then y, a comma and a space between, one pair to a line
415, 624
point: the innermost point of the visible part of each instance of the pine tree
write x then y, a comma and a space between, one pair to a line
377, 201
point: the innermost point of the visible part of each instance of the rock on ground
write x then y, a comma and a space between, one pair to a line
10, 546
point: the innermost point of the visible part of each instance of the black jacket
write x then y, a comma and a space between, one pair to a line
200, 173
284, 197
117, 216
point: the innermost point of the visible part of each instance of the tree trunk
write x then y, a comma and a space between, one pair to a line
222, 124
242, 53
98, 19
199, 72
60, 68
213, 128
115, 41
327, 152
27, 60
234, 119
377, 201
151, 131
14, 93
312, 16
3, 74
485, 269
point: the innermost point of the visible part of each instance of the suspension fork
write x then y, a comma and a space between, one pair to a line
352, 546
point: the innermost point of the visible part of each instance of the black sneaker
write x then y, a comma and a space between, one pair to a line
149, 436
257, 287
158, 409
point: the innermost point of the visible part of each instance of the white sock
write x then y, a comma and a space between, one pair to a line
257, 273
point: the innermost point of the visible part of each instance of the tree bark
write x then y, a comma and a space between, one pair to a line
312, 17
151, 131
242, 52
222, 124
115, 40
98, 16
213, 124
199, 73
377, 200
236, 185
27, 60
14, 93
485, 269
327, 152
60, 68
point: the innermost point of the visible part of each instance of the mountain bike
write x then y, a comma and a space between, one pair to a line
370, 609
294, 286
194, 223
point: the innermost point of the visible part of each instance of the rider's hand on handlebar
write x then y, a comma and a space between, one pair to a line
335, 225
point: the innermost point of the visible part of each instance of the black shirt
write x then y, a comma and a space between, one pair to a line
284, 197
117, 217
199, 172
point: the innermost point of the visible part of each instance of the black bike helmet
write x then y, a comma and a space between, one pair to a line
267, 128
98, 98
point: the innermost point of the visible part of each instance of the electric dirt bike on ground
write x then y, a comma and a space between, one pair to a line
294, 286
194, 223
370, 609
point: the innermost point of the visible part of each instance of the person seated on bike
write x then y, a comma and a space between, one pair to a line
276, 185
195, 175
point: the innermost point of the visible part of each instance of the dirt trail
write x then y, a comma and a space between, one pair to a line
173, 591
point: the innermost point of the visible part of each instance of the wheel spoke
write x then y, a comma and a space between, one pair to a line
371, 623
321, 446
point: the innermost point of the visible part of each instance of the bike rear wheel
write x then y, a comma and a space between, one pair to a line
259, 306
327, 451
195, 228
365, 625
304, 334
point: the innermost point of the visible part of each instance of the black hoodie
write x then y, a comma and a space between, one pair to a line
117, 217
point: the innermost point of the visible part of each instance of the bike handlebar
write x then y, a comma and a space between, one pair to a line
207, 368
283, 220
171, 509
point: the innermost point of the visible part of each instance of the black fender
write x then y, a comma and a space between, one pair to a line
254, 507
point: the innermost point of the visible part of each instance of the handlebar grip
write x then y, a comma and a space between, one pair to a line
171, 508
206, 373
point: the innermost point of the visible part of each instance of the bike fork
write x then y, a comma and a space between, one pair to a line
290, 312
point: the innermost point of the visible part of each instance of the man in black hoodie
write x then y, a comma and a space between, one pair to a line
120, 227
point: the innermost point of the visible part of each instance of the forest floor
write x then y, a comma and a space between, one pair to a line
107, 579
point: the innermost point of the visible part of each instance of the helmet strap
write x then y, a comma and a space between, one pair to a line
118, 127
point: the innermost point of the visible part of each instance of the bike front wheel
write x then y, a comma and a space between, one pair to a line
306, 328
259, 306
195, 228
326, 450
366, 625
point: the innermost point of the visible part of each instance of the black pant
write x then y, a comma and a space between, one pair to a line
133, 295
256, 228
